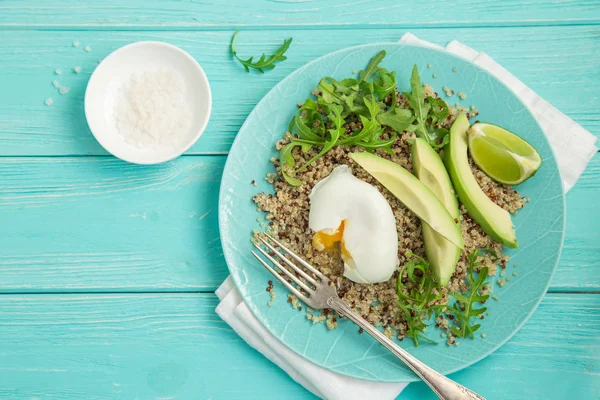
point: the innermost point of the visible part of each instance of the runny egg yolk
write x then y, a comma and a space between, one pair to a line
323, 241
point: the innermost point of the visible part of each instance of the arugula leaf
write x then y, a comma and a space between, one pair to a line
303, 131
286, 159
373, 106
308, 123
428, 113
371, 128
399, 119
464, 308
345, 92
416, 305
439, 110
416, 100
329, 93
345, 86
386, 145
338, 122
384, 83
440, 138
372, 66
263, 62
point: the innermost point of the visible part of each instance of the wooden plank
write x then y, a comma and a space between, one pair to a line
216, 14
578, 268
566, 75
165, 345
98, 224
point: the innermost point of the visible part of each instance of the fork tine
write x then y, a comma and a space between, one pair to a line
284, 270
301, 261
281, 279
288, 262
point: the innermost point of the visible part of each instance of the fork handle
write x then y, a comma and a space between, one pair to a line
444, 387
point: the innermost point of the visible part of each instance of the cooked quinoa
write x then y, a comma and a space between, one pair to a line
287, 212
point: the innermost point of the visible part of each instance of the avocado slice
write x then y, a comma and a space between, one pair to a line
429, 168
493, 219
412, 193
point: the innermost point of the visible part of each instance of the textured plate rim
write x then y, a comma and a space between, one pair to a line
300, 70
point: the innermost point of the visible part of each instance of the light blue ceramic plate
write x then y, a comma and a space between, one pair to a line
540, 226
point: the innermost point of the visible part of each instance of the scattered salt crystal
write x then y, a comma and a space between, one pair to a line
150, 109
64, 90
75, 44
55, 84
58, 71
88, 48
77, 69
48, 101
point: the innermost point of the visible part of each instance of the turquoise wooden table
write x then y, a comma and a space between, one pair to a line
108, 270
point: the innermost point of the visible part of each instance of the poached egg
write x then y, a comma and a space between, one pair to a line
353, 214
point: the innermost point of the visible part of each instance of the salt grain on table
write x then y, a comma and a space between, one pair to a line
151, 110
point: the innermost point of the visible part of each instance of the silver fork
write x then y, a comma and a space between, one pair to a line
323, 295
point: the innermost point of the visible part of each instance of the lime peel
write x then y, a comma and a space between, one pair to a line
502, 155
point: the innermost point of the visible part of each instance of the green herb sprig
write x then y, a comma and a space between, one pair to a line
263, 62
464, 307
429, 113
418, 305
321, 123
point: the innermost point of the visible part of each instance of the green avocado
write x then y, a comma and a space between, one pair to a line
429, 168
494, 220
413, 194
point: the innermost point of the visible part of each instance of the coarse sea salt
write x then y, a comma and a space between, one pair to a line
150, 109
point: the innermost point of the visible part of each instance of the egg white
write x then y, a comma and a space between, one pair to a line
369, 237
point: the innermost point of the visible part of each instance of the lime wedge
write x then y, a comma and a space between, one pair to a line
502, 155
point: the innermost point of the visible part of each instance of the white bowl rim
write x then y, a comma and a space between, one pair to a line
121, 154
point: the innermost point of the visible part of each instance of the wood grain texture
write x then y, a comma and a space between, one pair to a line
99, 224
169, 345
580, 259
219, 14
566, 75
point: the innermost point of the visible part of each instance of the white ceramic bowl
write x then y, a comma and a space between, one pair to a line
118, 67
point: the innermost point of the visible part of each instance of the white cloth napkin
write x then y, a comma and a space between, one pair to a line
573, 146
321, 382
